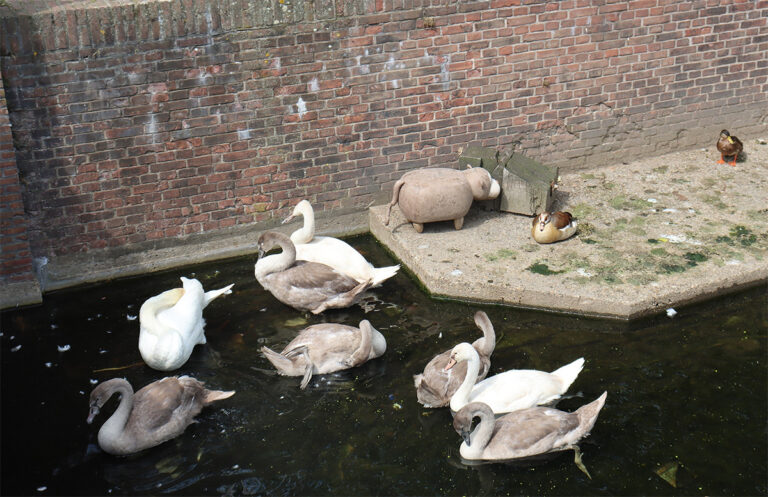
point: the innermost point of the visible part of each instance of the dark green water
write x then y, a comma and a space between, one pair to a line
692, 390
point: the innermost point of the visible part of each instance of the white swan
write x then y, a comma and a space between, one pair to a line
172, 323
333, 252
511, 390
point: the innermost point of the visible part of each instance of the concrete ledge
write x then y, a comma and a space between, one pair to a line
92, 267
654, 234
20, 294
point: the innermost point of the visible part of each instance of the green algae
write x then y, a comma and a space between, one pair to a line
541, 268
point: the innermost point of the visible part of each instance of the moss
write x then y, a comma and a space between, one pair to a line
660, 169
622, 202
694, 258
660, 252
583, 210
541, 268
744, 235
501, 254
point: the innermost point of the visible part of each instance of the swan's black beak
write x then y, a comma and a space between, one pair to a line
92, 414
465, 434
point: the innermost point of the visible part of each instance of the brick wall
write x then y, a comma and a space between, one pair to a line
140, 124
17, 280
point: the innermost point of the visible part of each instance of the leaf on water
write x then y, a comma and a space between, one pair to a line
299, 321
668, 473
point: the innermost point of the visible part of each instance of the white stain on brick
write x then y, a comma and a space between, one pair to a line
243, 134
364, 69
301, 107
313, 86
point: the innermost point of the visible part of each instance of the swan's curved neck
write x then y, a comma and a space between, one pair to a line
306, 232
114, 426
480, 436
276, 262
461, 397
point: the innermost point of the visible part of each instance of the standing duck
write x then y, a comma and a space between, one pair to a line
333, 252
435, 386
326, 348
158, 412
511, 390
303, 285
552, 227
729, 146
172, 323
524, 433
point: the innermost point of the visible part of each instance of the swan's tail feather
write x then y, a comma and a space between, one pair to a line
588, 414
381, 274
279, 361
569, 372
214, 395
209, 296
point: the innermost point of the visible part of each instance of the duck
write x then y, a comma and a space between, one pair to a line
511, 390
333, 252
303, 285
327, 348
171, 324
552, 227
157, 413
729, 146
435, 386
524, 433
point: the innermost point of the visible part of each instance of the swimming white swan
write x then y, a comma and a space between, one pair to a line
172, 323
303, 285
511, 390
158, 412
332, 251
524, 433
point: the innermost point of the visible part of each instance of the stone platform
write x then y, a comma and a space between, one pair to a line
653, 234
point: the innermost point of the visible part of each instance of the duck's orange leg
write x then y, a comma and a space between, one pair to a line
722, 159
733, 163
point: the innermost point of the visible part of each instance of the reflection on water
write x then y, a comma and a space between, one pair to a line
690, 390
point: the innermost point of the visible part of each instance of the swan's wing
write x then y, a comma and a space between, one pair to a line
316, 276
531, 431
155, 404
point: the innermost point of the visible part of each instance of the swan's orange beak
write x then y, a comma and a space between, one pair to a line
451, 363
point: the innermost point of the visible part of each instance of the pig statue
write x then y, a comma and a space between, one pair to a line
441, 194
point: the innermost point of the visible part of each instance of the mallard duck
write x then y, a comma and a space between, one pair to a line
729, 146
333, 252
326, 348
303, 285
435, 386
524, 433
172, 323
552, 227
511, 390
158, 412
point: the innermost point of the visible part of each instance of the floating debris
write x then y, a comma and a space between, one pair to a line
397, 406
63, 348
48, 364
93, 382
671, 312
16, 348
668, 473
299, 321
42, 489
131, 317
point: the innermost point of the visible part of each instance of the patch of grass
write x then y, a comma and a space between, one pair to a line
714, 200
659, 252
744, 235
660, 169
541, 268
588, 241
671, 268
622, 202
501, 254
583, 210
588, 176
694, 258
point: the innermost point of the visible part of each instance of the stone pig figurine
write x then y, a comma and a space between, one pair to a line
441, 194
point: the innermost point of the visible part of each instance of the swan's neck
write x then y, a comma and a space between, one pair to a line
480, 436
113, 427
306, 232
461, 397
276, 262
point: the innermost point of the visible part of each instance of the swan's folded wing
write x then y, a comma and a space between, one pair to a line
154, 405
313, 275
535, 429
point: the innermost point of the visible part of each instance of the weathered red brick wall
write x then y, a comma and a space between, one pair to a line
142, 123
16, 264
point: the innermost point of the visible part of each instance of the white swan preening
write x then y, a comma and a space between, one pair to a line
158, 412
333, 252
303, 285
511, 390
172, 323
436, 385
524, 433
326, 348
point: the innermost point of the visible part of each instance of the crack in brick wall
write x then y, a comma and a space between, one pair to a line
148, 122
